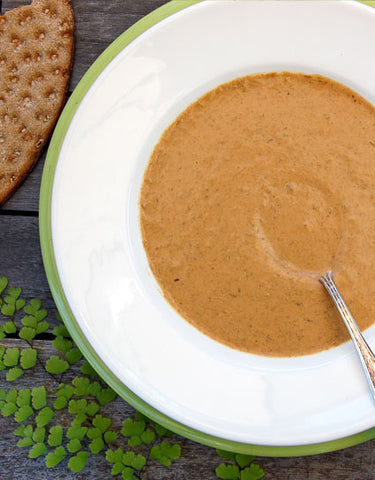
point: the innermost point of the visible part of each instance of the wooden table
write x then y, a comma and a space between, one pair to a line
98, 23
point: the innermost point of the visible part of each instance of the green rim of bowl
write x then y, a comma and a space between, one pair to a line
57, 291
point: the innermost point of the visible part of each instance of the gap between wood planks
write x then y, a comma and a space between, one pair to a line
41, 336
19, 213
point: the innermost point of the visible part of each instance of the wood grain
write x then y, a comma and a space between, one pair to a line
98, 23
21, 259
196, 462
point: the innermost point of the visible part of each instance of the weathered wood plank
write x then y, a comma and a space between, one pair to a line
98, 23
26, 198
14, 463
21, 260
196, 462
135, 7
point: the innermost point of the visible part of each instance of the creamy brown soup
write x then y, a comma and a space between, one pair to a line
256, 190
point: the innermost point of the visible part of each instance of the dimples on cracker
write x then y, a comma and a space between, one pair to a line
36, 54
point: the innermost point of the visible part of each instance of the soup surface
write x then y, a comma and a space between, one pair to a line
257, 189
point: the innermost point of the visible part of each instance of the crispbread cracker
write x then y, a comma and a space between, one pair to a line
36, 54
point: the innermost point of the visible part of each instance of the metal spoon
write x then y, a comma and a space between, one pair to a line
364, 351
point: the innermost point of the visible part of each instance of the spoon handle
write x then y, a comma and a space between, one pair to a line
364, 351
